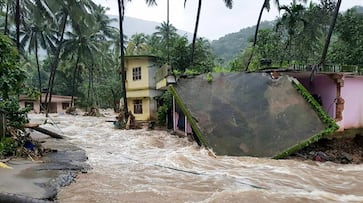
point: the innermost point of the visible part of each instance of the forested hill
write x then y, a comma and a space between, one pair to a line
135, 25
230, 45
359, 9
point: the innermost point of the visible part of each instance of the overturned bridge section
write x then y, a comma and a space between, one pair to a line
251, 114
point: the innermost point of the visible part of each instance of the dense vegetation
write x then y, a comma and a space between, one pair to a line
81, 50
226, 47
12, 79
297, 38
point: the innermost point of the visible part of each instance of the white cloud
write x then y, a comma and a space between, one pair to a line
216, 20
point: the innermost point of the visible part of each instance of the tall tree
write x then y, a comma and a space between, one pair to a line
293, 24
347, 48
121, 13
330, 33
17, 22
137, 44
65, 10
228, 3
36, 34
266, 5
84, 43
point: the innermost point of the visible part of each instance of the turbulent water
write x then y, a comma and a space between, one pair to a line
154, 166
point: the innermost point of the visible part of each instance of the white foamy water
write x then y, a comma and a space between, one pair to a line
154, 166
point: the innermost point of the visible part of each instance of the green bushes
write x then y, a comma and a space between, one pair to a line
166, 100
12, 79
7, 147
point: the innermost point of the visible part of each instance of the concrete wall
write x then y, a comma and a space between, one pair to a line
324, 86
145, 116
143, 89
36, 106
352, 93
142, 62
54, 107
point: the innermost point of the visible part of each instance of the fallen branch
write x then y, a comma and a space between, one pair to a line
44, 131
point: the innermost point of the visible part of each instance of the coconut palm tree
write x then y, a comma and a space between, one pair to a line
330, 32
121, 12
293, 22
84, 43
137, 44
228, 3
265, 6
36, 34
71, 12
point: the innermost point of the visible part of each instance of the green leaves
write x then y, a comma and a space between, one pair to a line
15, 116
348, 47
11, 75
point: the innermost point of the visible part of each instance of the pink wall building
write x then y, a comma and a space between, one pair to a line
341, 95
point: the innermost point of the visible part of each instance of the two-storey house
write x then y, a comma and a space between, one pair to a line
141, 92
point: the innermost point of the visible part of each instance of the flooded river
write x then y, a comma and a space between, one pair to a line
154, 166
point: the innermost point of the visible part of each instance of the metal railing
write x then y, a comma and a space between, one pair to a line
355, 69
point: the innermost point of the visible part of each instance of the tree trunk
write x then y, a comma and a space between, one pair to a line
6, 19
17, 22
89, 86
39, 77
92, 87
121, 9
330, 33
196, 29
38, 67
54, 68
74, 79
256, 35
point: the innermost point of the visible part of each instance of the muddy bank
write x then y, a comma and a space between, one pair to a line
342, 148
40, 180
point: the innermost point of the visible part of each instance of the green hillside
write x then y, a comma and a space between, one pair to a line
230, 45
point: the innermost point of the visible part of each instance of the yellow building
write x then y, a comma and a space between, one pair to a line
141, 92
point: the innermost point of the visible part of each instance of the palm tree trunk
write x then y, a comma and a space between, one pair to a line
6, 19
196, 29
89, 85
93, 87
330, 33
54, 67
255, 38
38, 67
17, 22
121, 9
74, 80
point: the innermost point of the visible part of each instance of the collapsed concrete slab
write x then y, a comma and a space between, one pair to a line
251, 114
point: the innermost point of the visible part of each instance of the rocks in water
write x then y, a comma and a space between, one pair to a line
346, 158
321, 157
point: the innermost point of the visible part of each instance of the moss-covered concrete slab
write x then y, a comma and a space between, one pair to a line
251, 114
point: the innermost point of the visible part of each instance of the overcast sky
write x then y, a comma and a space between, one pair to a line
216, 20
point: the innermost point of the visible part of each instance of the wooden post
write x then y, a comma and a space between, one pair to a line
2, 125
185, 125
174, 117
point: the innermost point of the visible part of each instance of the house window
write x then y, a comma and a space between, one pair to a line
136, 73
138, 106
65, 106
29, 105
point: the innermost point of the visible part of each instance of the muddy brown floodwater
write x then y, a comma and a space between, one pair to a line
154, 166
